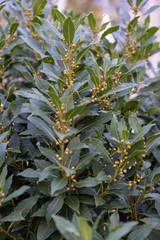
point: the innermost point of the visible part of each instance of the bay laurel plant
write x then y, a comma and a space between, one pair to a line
79, 125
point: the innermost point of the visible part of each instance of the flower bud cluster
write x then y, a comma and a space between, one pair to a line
72, 181
60, 124
69, 61
1, 197
105, 102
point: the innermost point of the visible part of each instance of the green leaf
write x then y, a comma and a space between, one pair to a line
91, 21
2, 152
136, 153
94, 78
77, 110
151, 31
3, 177
138, 2
114, 221
88, 182
152, 110
134, 123
85, 160
61, 18
125, 135
138, 64
152, 142
13, 28
152, 220
38, 6
32, 43
114, 128
40, 124
49, 70
133, 23
58, 184
13, 217
99, 201
156, 178
26, 205
109, 31
118, 233
54, 207
66, 228
38, 112
45, 229
76, 144
132, 106
51, 29
62, 136
54, 98
68, 171
50, 154
141, 232
81, 54
102, 176
103, 27
142, 132
29, 173
68, 30
130, 2
84, 228
150, 10
98, 146
16, 193
97, 120
122, 88
73, 203
152, 138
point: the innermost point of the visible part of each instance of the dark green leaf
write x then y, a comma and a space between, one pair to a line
40, 124
38, 6
121, 231
58, 184
94, 78
2, 152
54, 207
134, 123
16, 193
142, 132
73, 203
91, 21
13, 28
45, 230
109, 31
68, 30
66, 228
13, 217
141, 232
98, 146
88, 182
3, 178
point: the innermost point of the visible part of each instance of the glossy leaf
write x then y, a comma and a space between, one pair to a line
58, 184
38, 6
68, 30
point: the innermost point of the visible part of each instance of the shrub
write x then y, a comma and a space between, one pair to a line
80, 126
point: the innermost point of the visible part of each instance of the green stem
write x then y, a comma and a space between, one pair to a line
7, 233
62, 151
69, 65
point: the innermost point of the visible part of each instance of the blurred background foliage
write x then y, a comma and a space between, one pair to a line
108, 10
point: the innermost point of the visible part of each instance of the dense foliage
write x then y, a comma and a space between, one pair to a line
80, 125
